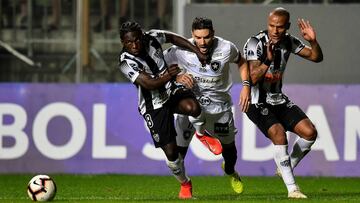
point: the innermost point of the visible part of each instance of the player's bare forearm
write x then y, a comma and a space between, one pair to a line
152, 83
257, 70
316, 53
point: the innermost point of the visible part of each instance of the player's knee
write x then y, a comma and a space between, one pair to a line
310, 133
277, 135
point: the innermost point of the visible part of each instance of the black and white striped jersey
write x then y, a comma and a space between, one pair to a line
268, 89
152, 63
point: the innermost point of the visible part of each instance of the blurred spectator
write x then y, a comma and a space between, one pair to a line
159, 22
55, 15
105, 21
7, 15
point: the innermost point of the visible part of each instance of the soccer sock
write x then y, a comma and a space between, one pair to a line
198, 123
178, 169
282, 161
230, 155
300, 149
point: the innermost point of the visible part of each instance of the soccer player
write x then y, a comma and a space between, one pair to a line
142, 62
271, 110
211, 85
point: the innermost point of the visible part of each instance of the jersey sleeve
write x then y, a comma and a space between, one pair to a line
253, 49
234, 53
296, 45
170, 55
130, 69
159, 35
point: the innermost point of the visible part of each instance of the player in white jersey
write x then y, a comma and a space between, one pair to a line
211, 85
271, 110
142, 62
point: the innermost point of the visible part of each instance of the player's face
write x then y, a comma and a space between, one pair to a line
203, 39
277, 27
132, 42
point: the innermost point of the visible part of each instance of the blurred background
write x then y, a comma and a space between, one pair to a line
66, 108
77, 41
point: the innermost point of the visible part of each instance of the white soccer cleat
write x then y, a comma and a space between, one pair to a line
297, 194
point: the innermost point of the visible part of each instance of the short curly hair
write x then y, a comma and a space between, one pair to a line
129, 26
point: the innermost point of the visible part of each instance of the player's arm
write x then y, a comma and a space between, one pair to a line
314, 52
257, 70
245, 94
151, 83
184, 43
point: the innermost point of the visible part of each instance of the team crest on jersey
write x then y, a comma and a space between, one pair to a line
215, 66
204, 100
156, 137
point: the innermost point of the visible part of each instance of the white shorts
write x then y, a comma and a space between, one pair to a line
219, 125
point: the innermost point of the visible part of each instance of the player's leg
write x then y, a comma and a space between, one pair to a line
185, 132
267, 122
184, 102
161, 125
295, 120
307, 136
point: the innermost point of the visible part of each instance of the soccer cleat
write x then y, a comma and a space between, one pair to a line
296, 194
212, 143
235, 181
185, 190
278, 172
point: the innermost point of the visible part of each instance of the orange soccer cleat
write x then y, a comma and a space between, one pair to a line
212, 143
186, 190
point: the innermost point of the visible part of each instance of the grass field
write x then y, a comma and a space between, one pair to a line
131, 188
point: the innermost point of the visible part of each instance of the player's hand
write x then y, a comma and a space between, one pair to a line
307, 31
270, 50
173, 70
245, 98
185, 79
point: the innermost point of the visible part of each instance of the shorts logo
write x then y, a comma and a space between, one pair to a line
264, 111
290, 104
221, 128
156, 137
204, 100
215, 66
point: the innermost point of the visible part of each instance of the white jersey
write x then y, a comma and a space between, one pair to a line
152, 62
213, 81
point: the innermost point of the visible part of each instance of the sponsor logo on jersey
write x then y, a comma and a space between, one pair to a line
217, 55
215, 66
250, 53
131, 74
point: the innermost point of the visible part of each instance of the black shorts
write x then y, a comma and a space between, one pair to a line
161, 121
265, 115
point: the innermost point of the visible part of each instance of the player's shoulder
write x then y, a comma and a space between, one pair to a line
224, 44
126, 59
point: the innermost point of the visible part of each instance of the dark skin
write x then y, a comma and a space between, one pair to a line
276, 32
132, 42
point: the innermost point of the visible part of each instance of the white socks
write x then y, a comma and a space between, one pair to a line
282, 161
198, 123
300, 149
178, 169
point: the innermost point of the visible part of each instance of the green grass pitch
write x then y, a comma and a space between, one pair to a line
136, 188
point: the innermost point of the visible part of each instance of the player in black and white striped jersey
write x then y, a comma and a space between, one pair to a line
142, 62
267, 54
